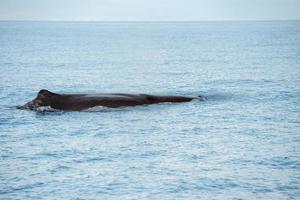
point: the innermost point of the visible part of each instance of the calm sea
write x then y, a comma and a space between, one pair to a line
243, 142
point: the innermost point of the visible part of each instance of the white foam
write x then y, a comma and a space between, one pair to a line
97, 109
45, 109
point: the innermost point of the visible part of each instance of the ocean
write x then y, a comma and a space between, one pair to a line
242, 142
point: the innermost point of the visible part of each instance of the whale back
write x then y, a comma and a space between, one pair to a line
48, 99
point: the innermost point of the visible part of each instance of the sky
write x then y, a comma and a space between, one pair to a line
149, 10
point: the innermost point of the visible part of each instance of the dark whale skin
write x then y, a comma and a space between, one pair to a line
78, 102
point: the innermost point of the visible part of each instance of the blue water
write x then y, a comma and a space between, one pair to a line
243, 142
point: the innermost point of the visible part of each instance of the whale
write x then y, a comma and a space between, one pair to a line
79, 102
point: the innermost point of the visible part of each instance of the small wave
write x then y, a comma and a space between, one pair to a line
20, 188
218, 97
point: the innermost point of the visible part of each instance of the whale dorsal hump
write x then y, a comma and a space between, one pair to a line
45, 94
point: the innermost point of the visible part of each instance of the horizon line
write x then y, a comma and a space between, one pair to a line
156, 21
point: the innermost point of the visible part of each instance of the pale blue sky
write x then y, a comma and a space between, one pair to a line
149, 10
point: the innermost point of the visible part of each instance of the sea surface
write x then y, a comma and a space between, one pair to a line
242, 142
